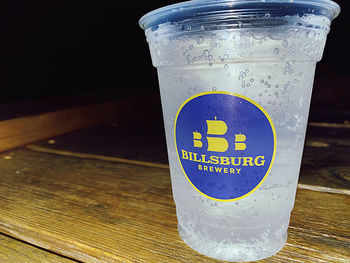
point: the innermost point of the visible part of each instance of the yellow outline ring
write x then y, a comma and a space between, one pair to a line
252, 102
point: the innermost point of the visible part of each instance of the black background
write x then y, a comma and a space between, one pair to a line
53, 48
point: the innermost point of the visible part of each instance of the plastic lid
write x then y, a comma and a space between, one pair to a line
223, 10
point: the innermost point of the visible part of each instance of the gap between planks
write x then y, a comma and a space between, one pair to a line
38, 148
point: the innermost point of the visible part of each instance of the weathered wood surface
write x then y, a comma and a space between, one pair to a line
20, 131
100, 211
325, 164
15, 251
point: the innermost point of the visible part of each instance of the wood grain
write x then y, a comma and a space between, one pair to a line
99, 211
28, 129
15, 251
325, 164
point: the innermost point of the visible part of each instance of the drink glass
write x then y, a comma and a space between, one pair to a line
236, 79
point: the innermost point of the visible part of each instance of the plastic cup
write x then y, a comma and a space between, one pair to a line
236, 80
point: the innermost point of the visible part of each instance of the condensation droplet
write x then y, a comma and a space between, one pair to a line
226, 66
200, 40
285, 43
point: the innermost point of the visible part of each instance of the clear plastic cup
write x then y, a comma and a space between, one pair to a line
236, 80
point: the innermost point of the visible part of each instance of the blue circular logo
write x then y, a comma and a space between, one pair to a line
225, 143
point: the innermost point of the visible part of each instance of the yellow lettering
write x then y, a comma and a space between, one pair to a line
203, 159
248, 160
195, 158
199, 167
211, 169
262, 162
184, 154
238, 170
205, 168
218, 169
190, 154
214, 159
233, 161
224, 160
225, 170
232, 170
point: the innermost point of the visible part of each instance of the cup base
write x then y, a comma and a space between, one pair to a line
233, 252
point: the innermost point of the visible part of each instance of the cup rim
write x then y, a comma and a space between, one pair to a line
202, 10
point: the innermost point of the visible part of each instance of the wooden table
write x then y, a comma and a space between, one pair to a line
103, 194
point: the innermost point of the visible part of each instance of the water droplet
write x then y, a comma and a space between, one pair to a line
260, 94
206, 53
251, 80
269, 76
226, 66
262, 81
285, 43
213, 88
276, 51
210, 57
190, 47
210, 64
225, 56
200, 40
269, 101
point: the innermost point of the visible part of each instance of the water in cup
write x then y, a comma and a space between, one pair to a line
236, 81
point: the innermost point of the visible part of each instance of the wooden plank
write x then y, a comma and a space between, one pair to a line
314, 186
13, 250
99, 211
325, 164
141, 139
20, 131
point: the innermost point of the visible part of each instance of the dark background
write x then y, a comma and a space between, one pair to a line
54, 48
